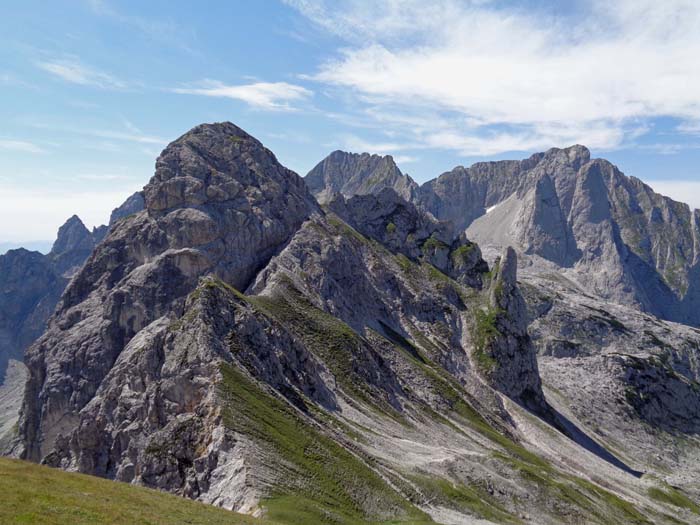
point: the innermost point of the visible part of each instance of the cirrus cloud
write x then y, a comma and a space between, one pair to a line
21, 146
508, 78
73, 71
261, 95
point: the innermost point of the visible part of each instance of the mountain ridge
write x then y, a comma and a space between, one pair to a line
562, 207
237, 343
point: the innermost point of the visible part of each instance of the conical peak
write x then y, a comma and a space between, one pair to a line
214, 163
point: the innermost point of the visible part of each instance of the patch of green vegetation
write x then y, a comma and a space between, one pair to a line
236, 139
617, 325
462, 498
674, 497
326, 484
404, 262
590, 499
434, 274
36, 494
617, 509
675, 278
333, 341
655, 340
390, 228
461, 254
594, 502
345, 229
432, 243
187, 318
452, 393
493, 272
485, 331
608, 318
598, 504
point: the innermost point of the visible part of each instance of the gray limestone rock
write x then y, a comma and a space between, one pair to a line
134, 204
357, 174
219, 203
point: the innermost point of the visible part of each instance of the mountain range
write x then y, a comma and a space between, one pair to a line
514, 342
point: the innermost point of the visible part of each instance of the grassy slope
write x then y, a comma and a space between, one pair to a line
327, 483
36, 494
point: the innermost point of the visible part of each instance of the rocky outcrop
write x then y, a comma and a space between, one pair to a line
32, 283
357, 174
72, 247
133, 204
502, 347
610, 231
29, 290
220, 204
400, 226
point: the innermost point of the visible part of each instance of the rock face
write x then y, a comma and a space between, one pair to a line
236, 343
73, 245
29, 290
357, 174
503, 344
32, 283
627, 243
600, 227
220, 204
134, 204
401, 227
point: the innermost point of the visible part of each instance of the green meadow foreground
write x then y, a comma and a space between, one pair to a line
37, 494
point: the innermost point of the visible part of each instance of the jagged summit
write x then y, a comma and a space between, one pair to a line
74, 243
214, 163
70, 236
357, 174
610, 232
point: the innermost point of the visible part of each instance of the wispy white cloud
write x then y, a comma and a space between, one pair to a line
130, 134
73, 71
261, 95
22, 146
666, 148
516, 79
689, 127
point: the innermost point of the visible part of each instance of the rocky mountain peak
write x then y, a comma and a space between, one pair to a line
215, 163
219, 204
215, 338
71, 236
73, 244
574, 156
357, 174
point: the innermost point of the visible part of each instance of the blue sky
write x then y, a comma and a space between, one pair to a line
93, 90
